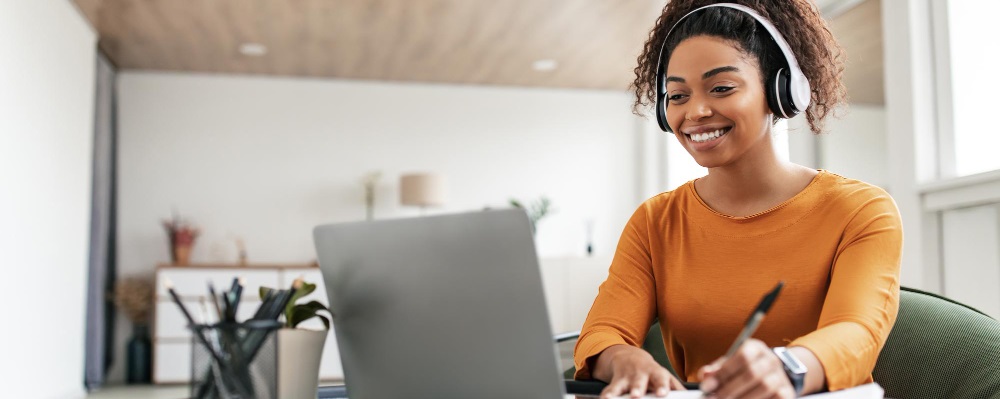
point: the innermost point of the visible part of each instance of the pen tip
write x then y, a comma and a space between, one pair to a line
167, 283
242, 280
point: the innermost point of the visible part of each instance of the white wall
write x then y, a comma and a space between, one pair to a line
46, 127
853, 145
267, 159
856, 145
969, 248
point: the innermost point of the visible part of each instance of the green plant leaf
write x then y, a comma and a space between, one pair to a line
325, 320
314, 305
301, 313
306, 289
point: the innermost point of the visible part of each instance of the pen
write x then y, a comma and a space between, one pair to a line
755, 318
169, 285
215, 301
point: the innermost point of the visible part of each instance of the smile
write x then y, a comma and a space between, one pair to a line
710, 136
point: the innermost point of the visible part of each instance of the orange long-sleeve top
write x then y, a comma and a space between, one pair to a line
836, 245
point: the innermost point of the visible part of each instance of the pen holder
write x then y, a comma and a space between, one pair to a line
234, 360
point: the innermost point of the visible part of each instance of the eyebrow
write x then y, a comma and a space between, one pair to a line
706, 75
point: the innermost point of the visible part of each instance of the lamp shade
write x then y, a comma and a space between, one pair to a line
422, 189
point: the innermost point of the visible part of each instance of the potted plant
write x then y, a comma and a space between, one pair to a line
134, 297
182, 236
300, 350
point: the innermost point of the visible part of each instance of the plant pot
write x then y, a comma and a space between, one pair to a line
182, 254
299, 355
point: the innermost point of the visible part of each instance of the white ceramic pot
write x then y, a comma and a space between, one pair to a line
299, 355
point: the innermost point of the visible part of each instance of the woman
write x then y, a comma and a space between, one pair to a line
699, 258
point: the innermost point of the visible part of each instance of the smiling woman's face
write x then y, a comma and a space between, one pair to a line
716, 104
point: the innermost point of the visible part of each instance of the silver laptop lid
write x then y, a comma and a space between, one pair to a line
440, 307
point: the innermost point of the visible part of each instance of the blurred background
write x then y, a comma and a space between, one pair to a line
248, 122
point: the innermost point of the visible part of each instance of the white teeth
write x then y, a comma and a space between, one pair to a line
703, 137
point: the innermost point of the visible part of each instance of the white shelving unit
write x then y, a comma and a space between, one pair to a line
172, 340
570, 285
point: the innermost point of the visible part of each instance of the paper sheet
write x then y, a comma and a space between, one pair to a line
867, 391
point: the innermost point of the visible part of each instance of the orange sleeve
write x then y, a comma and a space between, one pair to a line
625, 304
863, 298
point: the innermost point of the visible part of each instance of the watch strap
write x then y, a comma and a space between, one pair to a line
794, 369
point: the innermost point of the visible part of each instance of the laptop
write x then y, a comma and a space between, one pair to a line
440, 307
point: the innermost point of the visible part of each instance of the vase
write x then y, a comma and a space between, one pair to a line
138, 356
182, 254
299, 355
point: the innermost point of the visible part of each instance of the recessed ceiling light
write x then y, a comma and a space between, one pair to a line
544, 65
253, 49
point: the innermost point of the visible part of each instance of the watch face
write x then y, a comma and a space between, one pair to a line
790, 361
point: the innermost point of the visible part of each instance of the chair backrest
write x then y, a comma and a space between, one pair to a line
939, 348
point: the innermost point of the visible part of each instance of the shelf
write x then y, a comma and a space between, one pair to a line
239, 266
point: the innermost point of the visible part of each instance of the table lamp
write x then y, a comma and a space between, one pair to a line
422, 189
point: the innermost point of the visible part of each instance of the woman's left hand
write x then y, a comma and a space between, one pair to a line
753, 372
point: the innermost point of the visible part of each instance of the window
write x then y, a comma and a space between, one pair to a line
974, 55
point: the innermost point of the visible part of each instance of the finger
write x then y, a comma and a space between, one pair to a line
709, 369
615, 388
757, 380
676, 385
771, 387
659, 383
638, 385
749, 352
787, 392
712, 375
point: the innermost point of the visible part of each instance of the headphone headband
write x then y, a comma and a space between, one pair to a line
798, 84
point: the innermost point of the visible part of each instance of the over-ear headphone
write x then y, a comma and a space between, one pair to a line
787, 91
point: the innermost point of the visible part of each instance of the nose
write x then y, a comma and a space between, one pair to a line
697, 109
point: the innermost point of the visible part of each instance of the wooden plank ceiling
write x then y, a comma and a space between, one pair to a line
489, 42
595, 43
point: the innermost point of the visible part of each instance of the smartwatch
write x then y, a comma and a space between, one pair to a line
795, 370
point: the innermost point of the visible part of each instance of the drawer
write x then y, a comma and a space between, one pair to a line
194, 282
171, 362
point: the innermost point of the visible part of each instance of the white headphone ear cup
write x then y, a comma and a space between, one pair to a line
800, 92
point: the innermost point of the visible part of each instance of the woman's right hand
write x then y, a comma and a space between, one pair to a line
632, 371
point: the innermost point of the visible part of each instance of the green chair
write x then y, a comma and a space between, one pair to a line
938, 348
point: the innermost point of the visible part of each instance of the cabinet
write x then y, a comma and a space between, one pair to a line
171, 338
571, 285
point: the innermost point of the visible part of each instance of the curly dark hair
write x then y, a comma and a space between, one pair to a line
819, 55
